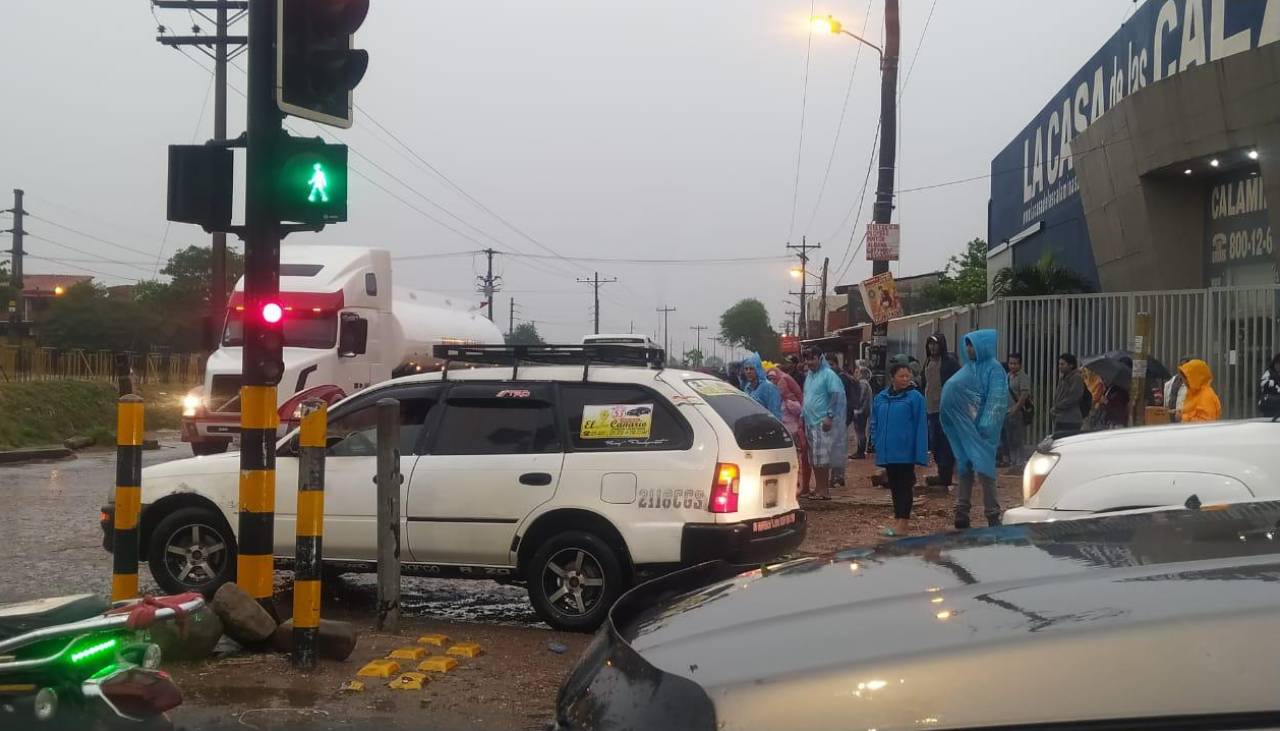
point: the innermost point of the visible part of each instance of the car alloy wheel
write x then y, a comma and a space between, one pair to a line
573, 581
195, 554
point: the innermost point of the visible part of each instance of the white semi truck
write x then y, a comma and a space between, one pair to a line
345, 327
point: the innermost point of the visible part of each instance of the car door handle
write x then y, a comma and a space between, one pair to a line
537, 479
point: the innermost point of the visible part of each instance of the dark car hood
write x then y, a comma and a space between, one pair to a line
932, 595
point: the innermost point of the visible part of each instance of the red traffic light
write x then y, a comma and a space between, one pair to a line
272, 313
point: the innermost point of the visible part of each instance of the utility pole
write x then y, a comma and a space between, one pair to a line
666, 329
804, 247
16, 305
489, 283
511, 319
595, 281
220, 55
698, 329
822, 327
882, 212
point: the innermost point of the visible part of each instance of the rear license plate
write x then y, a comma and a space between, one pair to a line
771, 493
768, 524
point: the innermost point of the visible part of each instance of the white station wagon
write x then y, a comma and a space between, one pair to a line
575, 480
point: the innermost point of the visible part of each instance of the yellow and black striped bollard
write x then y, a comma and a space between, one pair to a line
258, 422
124, 547
308, 549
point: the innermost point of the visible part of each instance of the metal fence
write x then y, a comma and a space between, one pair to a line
1233, 329
50, 364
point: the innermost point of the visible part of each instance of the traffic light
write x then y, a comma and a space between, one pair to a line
269, 335
311, 181
316, 66
200, 184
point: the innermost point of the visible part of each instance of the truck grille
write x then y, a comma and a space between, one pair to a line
225, 394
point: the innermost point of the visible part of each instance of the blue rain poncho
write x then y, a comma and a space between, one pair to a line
824, 394
764, 392
974, 404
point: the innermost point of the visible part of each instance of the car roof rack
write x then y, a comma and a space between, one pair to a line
583, 354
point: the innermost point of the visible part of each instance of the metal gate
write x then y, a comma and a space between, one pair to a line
1234, 330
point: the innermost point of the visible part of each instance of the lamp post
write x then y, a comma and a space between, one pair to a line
882, 212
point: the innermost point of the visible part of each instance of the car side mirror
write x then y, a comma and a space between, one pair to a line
353, 335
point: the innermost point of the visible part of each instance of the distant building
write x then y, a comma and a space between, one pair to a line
910, 292
39, 291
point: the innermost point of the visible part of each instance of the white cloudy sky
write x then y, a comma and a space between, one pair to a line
630, 129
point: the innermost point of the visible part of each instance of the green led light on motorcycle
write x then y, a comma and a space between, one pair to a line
93, 651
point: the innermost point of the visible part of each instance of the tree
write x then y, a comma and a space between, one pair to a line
747, 324
526, 333
190, 271
963, 281
85, 317
693, 358
1045, 277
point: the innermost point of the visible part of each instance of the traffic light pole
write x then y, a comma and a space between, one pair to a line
262, 232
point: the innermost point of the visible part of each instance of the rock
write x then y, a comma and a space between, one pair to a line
557, 648
337, 639
78, 442
203, 630
227, 647
150, 445
243, 618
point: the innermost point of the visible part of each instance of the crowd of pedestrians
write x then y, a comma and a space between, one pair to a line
968, 411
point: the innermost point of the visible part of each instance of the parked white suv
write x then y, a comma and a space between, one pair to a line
1125, 469
574, 480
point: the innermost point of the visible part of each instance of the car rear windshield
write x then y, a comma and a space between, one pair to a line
752, 424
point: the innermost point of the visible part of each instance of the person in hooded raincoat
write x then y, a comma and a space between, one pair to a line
972, 410
756, 384
792, 404
824, 409
1202, 402
939, 366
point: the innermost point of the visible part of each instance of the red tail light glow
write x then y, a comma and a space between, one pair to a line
724, 490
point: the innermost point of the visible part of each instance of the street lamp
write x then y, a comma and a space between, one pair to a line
831, 26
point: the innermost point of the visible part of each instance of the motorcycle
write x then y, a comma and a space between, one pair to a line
80, 662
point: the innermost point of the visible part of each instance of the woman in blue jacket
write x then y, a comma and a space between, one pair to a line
901, 432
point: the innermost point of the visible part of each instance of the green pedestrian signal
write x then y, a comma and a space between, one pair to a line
319, 184
312, 183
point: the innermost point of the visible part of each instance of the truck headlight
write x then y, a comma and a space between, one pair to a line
1034, 474
191, 403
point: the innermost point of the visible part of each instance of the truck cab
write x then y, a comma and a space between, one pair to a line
345, 327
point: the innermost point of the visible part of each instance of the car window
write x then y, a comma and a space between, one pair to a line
752, 424
498, 419
354, 433
621, 418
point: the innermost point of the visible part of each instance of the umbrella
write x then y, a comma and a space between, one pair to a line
1116, 367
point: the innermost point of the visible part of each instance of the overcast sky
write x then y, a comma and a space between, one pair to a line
605, 128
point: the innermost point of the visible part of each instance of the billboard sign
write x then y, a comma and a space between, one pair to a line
1033, 179
880, 297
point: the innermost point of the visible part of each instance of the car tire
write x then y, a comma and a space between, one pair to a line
573, 580
209, 560
204, 449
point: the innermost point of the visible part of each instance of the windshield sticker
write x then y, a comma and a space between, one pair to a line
616, 421
708, 387
513, 393
686, 400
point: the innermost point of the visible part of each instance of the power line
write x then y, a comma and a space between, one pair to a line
694, 261
848, 90
804, 103
82, 251
861, 201
65, 263
91, 236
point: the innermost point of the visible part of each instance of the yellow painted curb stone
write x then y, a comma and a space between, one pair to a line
353, 686
409, 681
438, 664
434, 639
379, 669
465, 649
412, 654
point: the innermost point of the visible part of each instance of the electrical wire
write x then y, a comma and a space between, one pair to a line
132, 265
804, 103
697, 261
65, 263
99, 239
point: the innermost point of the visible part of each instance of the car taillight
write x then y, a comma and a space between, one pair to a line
724, 491
141, 693
1034, 474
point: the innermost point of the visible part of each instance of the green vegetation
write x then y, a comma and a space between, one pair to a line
43, 413
963, 281
526, 333
746, 325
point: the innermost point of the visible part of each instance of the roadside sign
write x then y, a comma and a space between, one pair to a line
880, 297
882, 241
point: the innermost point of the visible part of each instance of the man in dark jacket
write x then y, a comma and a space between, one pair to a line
1067, 412
939, 366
